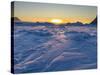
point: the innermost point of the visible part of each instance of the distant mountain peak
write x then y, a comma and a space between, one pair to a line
94, 21
15, 19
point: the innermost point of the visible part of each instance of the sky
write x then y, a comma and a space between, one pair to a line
44, 12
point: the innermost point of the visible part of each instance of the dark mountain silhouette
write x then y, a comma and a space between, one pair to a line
94, 21
15, 19
74, 24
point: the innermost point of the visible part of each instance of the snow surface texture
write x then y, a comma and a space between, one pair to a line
44, 49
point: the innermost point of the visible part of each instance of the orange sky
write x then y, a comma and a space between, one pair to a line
65, 20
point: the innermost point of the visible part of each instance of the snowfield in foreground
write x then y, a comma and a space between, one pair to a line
43, 48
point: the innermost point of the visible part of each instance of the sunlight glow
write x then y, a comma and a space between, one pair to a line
56, 21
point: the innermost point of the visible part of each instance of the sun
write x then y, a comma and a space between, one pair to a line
56, 21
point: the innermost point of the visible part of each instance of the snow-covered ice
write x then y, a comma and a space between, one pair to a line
43, 48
